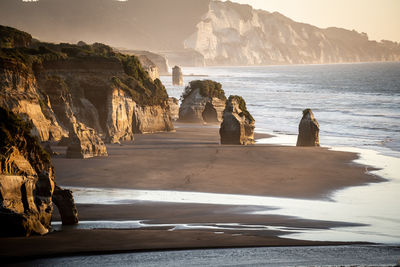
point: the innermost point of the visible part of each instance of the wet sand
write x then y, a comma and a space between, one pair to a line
191, 159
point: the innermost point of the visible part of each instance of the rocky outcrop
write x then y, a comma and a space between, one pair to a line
174, 108
151, 119
26, 180
202, 101
85, 143
237, 128
75, 91
308, 130
150, 67
177, 76
66, 205
19, 93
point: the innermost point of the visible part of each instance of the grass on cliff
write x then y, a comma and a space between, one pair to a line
242, 106
207, 88
10, 37
15, 132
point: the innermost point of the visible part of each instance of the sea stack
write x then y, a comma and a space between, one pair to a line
237, 128
202, 101
308, 130
177, 76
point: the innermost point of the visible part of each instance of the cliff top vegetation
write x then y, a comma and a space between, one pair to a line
208, 88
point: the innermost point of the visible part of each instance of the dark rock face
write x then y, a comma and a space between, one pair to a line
308, 130
66, 205
177, 76
26, 180
203, 101
237, 128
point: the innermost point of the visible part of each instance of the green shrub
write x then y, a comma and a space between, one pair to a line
207, 88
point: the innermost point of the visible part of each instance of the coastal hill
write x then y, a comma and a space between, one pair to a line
194, 32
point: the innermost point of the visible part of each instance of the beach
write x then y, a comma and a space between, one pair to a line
192, 160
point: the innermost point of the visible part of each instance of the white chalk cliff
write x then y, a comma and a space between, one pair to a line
234, 34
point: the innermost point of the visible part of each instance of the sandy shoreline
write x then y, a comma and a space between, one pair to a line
191, 159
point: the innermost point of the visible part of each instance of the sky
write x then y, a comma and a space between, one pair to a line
380, 19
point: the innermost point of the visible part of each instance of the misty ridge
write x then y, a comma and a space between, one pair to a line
194, 32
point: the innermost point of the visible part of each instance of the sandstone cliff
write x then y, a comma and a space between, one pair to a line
26, 180
76, 90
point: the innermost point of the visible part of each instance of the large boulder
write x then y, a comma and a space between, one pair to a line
174, 108
237, 128
85, 143
177, 76
308, 130
26, 180
202, 101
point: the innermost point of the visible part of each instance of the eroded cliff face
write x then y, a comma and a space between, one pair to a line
19, 92
234, 34
27, 182
68, 90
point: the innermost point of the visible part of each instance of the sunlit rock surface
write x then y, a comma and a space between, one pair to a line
308, 130
237, 128
203, 101
26, 180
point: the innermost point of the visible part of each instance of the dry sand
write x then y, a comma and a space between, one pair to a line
191, 159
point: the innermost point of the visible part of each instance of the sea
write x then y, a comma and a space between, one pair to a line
358, 110
356, 105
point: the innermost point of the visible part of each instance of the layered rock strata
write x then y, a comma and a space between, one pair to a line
202, 101
26, 180
74, 91
308, 130
237, 128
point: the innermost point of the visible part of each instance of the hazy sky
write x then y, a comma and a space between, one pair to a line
380, 19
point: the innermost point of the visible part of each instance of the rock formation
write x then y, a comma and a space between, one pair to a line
308, 130
85, 143
66, 205
174, 108
26, 180
150, 67
63, 88
202, 101
177, 76
237, 128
